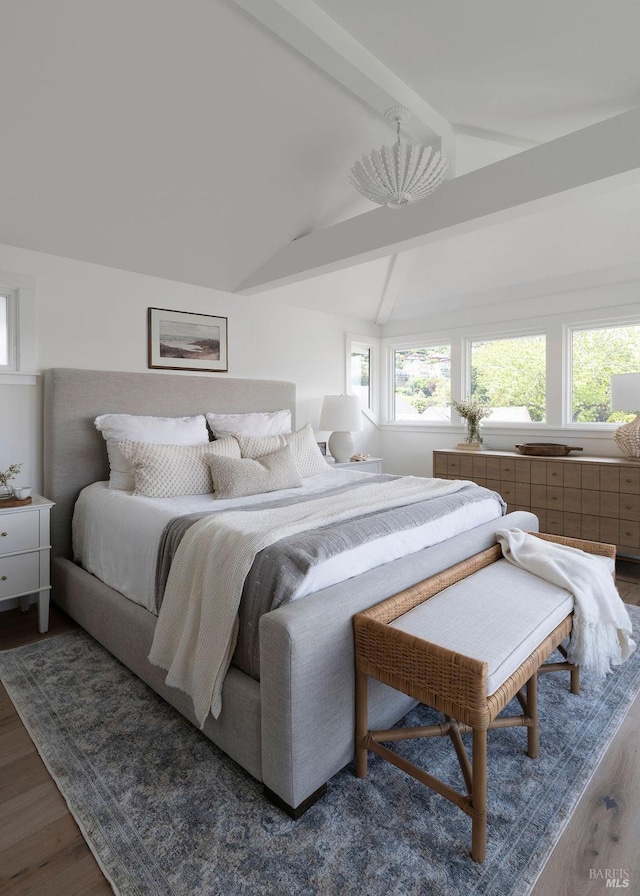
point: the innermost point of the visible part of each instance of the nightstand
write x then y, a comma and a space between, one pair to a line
370, 465
24, 554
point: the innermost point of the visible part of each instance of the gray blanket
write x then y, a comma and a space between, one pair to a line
278, 571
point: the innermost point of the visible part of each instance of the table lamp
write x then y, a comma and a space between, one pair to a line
343, 415
625, 396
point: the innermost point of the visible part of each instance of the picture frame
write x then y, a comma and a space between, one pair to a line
185, 340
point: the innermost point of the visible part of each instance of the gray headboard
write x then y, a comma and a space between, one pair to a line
75, 452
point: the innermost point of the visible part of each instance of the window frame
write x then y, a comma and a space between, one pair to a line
568, 330
355, 341
21, 329
556, 327
503, 336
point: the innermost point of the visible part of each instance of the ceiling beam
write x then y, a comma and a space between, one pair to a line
600, 157
314, 34
395, 280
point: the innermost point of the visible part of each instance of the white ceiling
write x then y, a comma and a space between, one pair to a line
186, 139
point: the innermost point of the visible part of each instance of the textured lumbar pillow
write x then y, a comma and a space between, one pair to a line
233, 478
167, 471
303, 447
116, 428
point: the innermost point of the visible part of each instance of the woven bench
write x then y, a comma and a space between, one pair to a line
465, 642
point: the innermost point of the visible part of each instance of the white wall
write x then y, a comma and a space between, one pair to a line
89, 316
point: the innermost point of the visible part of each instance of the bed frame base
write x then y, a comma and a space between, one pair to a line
299, 811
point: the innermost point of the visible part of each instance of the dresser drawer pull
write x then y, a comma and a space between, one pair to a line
554, 474
628, 506
4, 578
4, 534
554, 498
627, 533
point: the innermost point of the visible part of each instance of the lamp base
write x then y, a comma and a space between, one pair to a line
341, 446
627, 438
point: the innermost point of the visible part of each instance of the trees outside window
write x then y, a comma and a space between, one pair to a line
422, 383
510, 376
596, 355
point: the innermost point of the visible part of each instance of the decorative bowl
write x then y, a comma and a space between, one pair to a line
546, 449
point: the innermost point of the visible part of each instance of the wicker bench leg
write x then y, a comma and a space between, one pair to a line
479, 796
362, 724
532, 713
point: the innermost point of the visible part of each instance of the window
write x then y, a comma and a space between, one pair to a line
597, 354
361, 374
18, 358
4, 330
422, 384
510, 376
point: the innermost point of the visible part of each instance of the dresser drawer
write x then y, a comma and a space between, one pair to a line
19, 531
19, 574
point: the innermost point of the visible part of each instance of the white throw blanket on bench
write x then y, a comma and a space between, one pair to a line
601, 635
196, 631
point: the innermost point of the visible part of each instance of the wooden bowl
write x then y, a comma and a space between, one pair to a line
546, 449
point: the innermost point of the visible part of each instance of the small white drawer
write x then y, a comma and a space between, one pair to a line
19, 574
19, 531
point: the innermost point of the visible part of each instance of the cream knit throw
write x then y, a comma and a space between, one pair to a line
196, 631
601, 635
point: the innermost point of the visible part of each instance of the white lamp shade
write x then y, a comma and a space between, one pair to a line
625, 392
341, 413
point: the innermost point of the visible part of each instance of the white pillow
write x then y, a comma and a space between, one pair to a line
236, 478
303, 447
167, 471
274, 423
155, 430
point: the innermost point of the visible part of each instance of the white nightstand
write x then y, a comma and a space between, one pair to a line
370, 465
24, 555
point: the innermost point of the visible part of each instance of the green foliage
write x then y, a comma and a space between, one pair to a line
510, 373
423, 376
596, 356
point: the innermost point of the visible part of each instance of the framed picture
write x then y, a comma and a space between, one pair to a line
182, 340
323, 448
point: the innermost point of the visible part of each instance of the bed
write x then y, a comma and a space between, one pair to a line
291, 729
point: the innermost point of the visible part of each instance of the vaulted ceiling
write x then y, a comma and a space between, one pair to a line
209, 142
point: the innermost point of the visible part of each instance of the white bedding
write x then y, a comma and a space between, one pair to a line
116, 535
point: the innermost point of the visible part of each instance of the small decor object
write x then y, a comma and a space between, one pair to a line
182, 340
21, 492
546, 449
343, 414
5, 476
625, 396
359, 458
323, 448
472, 412
397, 175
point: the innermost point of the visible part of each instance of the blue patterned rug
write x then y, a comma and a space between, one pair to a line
166, 812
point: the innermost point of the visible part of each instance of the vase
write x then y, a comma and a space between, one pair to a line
473, 436
5, 492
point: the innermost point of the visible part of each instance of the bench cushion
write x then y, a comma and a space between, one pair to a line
499, 615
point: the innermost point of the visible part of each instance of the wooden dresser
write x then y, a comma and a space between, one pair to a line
597, 498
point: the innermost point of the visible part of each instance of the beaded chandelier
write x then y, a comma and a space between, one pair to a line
397, 175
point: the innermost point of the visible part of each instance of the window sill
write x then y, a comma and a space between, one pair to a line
14, 378
575, 430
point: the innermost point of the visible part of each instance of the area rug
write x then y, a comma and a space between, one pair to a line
165, 812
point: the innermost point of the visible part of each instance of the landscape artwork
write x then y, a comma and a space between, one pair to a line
183, 340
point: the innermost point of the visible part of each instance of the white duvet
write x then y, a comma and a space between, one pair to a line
116, 535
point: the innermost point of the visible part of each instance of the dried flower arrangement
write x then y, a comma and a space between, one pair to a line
11, 473
473, 412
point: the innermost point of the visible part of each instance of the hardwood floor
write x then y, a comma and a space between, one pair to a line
43, 852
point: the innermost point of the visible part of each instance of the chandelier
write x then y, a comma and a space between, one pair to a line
399, 174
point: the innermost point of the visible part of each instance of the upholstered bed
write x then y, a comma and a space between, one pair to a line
292, 729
